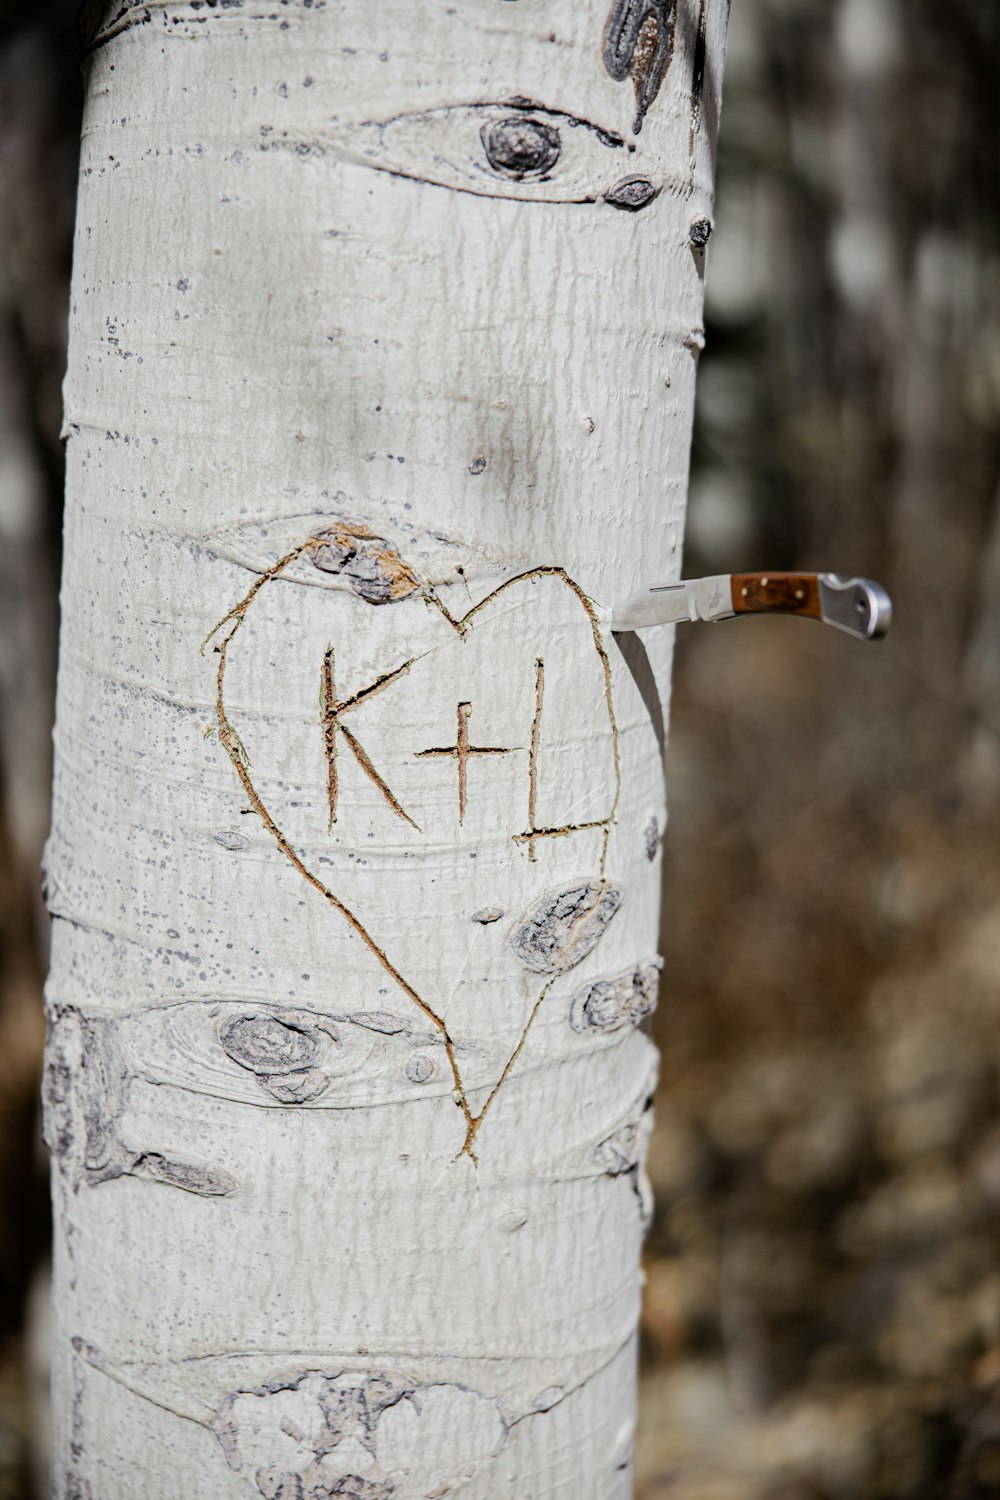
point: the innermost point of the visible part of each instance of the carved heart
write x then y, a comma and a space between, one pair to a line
523, 767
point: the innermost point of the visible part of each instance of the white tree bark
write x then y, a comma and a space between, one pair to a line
384, 332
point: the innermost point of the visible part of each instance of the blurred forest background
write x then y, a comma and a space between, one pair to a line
823, 1275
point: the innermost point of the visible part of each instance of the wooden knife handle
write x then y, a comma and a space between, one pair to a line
777, 593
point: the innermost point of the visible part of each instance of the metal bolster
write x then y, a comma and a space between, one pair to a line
857, 605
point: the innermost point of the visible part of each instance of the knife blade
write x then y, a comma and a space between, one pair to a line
858, 606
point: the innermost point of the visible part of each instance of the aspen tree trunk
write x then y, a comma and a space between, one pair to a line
384, 331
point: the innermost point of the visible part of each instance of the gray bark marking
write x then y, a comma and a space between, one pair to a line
85, 1092
321, 1412
281, 1052
564, 926
608, 1004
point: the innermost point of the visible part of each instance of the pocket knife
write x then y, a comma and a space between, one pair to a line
857, 605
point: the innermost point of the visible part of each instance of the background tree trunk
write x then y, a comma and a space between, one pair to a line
384, 333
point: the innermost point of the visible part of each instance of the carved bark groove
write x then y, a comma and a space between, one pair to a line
376, 402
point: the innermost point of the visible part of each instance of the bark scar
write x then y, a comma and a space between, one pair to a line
85, 1093
698, 80
639, 43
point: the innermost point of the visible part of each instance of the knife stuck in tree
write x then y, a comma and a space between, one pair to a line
857, 605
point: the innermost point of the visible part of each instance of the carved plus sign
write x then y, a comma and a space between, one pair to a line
461, 751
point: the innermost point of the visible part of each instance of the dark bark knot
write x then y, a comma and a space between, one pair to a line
370, 565
280, 1053
610, 1003
639, 43
631, 194
564, 926
266, 1045
520, 147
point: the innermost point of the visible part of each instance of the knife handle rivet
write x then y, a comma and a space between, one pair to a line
744, 591
800, 593
763, 583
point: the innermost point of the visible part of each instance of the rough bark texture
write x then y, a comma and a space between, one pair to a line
384, 332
